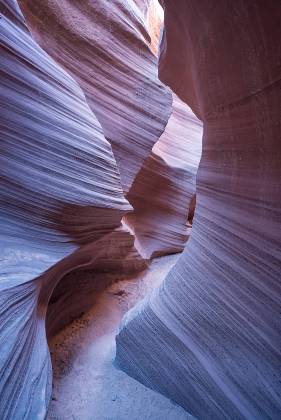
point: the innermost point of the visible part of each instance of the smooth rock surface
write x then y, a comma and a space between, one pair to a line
210, 337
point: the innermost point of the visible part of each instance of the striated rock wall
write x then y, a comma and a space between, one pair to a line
210, 337
163, 191
154, 19
105, 46
61, 204
118, 73
60, 185
60, 192
77, 292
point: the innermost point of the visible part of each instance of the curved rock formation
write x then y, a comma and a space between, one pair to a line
163, 192
210, 337
61, 195
77, 292
105, 46
60, 192
154, 17
165, 186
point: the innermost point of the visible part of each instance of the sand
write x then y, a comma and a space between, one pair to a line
86, 384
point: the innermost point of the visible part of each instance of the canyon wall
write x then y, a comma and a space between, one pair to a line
60, 193
62, 199
163, 192
210, 337
79, 119
108, 49
105, 46
90, 191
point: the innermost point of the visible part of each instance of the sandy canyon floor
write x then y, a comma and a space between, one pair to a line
86, 384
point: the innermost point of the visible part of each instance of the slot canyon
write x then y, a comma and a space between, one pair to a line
140, 251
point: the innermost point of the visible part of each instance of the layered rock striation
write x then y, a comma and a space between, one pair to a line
163, 192
62, 199
90, 191
60, 196
210, 337
78, 291
107, 49
105, 46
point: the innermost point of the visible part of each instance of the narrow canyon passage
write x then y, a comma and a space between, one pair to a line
119, 121
86, 384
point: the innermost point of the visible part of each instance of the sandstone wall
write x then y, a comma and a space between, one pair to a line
210, 337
